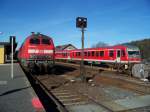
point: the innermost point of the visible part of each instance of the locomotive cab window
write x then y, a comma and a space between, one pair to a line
46, 41
34, 41
134, 53
111, 53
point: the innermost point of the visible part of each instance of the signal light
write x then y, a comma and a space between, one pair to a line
81, 22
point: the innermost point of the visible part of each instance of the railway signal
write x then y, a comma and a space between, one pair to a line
81, 22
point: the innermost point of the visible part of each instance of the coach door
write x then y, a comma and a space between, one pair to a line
68, 55
118, 55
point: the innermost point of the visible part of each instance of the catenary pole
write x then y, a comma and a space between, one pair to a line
12, 50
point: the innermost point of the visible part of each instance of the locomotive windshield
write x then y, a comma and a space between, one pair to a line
134, 53
46, 41
34, 41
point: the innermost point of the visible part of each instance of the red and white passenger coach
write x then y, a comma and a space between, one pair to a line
120, 54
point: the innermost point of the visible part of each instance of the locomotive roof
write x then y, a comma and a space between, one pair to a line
39, 35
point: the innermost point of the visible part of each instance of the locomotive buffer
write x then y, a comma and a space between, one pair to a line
81, 22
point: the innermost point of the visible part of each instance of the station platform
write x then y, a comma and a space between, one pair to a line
17, 95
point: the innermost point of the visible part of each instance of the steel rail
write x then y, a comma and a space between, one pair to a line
61, 107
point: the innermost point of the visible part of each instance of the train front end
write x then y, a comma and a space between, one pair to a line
134, 55
38, 53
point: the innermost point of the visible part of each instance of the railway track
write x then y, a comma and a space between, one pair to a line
71, 94
64, 94
111, 77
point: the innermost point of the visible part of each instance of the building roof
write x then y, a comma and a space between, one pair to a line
7, 46
4, 43
63, 47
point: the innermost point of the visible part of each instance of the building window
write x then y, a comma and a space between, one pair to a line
111, 53
101, 53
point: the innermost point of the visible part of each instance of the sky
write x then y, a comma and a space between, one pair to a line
109, 21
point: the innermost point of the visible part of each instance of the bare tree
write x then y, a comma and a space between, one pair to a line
99, 44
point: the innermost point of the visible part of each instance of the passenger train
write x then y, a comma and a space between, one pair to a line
37, 52
123, 55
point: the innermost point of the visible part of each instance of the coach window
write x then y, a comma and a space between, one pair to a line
111, 53
88, 53
79, 53
101, 53
85, 53
76, 53
46, 41
97, 53
34, 41
93, 53
122, 53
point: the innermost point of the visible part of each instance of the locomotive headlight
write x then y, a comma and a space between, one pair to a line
126, 66
48, 56
32, 56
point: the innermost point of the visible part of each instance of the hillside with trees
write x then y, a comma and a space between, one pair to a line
100, 44
144, 46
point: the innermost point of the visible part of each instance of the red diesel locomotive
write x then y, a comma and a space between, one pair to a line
37, 52
113, 55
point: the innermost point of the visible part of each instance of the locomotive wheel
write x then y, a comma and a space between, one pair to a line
45, 68
42, 69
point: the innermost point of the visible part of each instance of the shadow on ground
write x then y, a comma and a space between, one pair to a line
56, 70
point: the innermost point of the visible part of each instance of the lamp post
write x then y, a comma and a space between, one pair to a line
81, 22
12, 53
